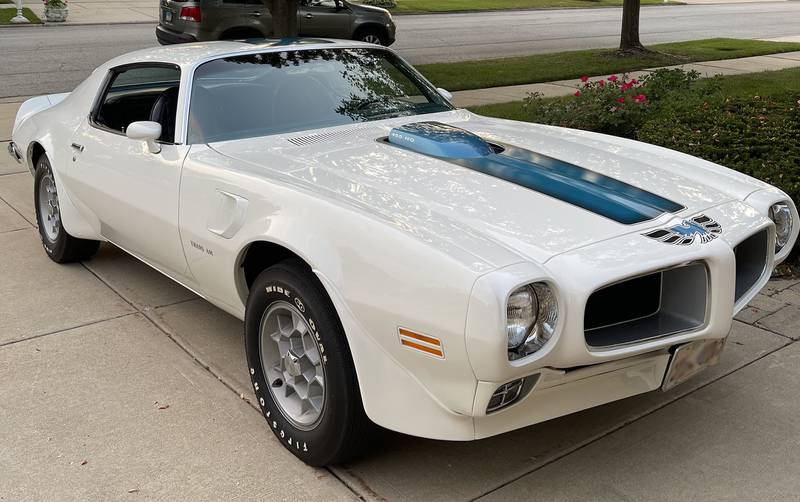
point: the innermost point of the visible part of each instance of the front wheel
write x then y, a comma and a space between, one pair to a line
59, 245
372, 36
301, 368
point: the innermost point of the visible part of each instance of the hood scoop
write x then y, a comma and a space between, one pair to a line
576, 185
440, 140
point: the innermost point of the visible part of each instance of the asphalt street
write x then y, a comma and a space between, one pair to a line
39, 60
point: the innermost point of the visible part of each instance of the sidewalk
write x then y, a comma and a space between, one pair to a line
103, 11
494, 95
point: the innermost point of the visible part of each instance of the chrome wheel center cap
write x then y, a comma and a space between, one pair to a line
292, 364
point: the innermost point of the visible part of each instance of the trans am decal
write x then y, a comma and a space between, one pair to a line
700, 227
576, 185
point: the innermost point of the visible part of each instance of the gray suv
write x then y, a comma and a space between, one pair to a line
200, 20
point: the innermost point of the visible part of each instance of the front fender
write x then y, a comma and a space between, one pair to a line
380, 274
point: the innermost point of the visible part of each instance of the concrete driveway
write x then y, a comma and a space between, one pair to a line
117, 384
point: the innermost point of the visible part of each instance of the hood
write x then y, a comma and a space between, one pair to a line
362, 8
504, 220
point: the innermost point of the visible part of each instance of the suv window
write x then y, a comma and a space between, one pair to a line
140, 93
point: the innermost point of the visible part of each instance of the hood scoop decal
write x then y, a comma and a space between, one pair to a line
595, 192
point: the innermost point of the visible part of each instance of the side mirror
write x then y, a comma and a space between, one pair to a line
145, 130
445, 93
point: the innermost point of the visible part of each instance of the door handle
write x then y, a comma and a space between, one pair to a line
77, 147
309, 16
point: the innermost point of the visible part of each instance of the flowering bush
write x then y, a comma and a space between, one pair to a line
55, 4
616, 105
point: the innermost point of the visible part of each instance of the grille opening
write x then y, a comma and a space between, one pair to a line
659, 304
751, 259
645, 298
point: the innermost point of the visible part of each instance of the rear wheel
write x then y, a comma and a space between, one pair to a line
301, 368
58, 244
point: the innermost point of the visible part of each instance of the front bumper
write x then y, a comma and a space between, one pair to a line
557, 393
169, 37
391, 32
568, 375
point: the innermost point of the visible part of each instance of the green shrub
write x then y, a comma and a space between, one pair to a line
759, 136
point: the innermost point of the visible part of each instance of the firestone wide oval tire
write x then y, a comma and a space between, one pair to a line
59, 245
342, 431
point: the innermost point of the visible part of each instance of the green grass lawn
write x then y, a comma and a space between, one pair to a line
407, 6
7, 14
566, 65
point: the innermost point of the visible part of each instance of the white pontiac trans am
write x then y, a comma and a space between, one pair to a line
398, 261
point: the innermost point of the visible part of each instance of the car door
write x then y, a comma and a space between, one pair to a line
130, 193
324, 18
233, 19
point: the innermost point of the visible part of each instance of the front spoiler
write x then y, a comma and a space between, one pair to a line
556, 395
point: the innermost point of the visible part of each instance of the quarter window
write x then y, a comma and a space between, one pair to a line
140, 93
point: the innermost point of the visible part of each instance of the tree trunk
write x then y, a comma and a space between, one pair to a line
629, 41
284, 17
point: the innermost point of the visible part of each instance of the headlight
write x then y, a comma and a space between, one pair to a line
781, 215
531, 316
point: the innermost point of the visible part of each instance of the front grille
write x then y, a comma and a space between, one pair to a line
751, 260
650, 306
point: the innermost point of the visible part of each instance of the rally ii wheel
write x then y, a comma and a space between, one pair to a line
301, 368
58, 244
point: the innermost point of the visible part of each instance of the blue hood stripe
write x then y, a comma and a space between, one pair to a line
573, 184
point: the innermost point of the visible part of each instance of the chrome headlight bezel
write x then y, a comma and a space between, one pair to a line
543, 321
781, 215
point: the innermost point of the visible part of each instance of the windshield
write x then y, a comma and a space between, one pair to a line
279, 92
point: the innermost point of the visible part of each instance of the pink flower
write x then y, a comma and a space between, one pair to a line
613, 78
626, 86
601, 83
634, 81
584, 79
641, 98
621, 100
577, 94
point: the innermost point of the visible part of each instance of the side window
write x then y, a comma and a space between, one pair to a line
140, 93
